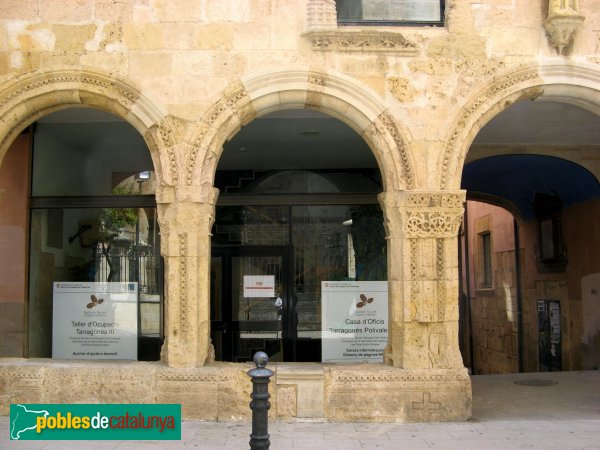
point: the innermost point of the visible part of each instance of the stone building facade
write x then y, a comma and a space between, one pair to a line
188, 75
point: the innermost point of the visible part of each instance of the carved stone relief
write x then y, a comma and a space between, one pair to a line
455, 145
46, 89
360, 41
234, 102
563, 20
386, 126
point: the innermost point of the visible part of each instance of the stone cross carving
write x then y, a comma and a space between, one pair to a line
426, 407
562, 22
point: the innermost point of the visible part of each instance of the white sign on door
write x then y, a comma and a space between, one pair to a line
355, 320
259, 285
95, 320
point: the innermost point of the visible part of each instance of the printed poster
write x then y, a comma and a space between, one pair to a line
95, 320
355, 320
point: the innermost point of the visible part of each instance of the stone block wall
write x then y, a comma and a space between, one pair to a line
221, 391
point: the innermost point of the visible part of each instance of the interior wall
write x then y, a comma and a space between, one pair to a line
14, 187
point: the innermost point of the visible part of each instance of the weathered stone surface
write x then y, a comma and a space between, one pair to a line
396, 395
20, 382
91, 382
221, 391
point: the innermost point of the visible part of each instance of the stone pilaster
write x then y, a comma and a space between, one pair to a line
186, 217
422, 229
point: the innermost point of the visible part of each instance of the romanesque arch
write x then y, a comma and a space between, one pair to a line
337, 95
577, 84
30, 96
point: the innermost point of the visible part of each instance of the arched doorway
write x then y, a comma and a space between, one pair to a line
535, 311
298, 206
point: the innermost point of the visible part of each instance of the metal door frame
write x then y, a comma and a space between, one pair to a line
287, 323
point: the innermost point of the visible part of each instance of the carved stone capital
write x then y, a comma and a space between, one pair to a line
361, 40
560, 29
425, 214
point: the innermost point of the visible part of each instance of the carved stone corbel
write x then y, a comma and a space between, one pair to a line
562, 22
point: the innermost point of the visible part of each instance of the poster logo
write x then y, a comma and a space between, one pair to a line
95, 422
95, 301
364, 300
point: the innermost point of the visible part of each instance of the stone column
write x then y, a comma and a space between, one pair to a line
186, 217
422, 228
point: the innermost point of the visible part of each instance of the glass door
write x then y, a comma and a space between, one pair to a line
250, 302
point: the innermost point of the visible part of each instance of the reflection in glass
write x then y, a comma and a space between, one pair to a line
88, 156
389, 10
94, 245
334, 243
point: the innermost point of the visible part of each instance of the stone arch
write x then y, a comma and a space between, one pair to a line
30, 96
335, 94
577, 84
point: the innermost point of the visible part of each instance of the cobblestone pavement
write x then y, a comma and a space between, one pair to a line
565, 415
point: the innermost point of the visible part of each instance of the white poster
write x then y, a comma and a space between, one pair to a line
355, 320
95, 320
259, 285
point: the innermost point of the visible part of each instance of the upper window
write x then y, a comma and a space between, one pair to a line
390, 12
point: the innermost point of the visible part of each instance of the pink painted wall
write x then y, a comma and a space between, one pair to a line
14, 186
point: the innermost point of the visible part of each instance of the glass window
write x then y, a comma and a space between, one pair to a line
95, 271
486, 249
374, 12
86, 155
334, 243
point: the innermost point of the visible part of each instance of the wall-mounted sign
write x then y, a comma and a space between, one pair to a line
95, 320
355, 320
259, 285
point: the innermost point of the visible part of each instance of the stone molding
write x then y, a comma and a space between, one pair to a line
355, 375
195, 375
361, 41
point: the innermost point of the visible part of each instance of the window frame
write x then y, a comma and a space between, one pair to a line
404, 23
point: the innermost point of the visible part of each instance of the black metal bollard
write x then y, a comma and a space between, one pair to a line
259, 438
